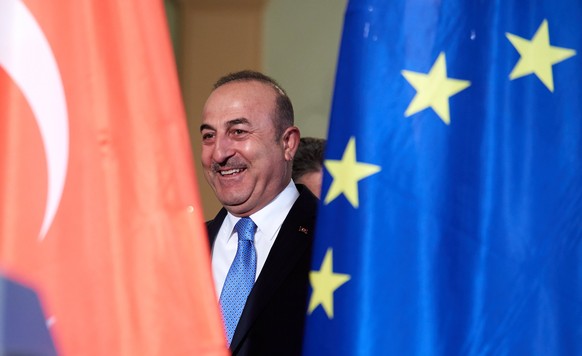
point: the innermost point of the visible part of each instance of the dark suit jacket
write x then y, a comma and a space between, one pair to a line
23, 328
273, 319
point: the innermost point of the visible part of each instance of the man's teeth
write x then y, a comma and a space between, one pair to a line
230, 171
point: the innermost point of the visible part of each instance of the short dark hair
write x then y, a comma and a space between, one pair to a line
283, 115
309, 156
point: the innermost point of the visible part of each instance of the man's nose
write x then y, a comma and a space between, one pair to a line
223, 149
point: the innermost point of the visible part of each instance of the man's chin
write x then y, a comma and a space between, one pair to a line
231, 202
237, 208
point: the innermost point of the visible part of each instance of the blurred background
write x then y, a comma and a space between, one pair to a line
294, 41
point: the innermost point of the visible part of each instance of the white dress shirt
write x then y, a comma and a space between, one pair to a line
268, 221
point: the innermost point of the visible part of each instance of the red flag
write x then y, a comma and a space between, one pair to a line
99, 208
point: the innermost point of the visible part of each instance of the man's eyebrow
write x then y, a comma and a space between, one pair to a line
230, 123
238, 121
206, 127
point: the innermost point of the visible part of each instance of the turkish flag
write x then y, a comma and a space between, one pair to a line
100, 221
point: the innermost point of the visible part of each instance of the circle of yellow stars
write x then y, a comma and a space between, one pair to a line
324, 283
433, 90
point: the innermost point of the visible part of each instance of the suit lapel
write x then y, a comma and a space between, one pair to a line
213, 226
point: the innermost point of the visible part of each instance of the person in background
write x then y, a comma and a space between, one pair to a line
262, 238
308, 163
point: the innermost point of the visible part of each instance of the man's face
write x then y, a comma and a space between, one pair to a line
242, 162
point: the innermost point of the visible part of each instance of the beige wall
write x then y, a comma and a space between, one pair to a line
300, 49
294, 41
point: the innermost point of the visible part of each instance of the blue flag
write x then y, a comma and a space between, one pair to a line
451, 213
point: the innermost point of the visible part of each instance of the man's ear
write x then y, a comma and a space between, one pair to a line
291, 138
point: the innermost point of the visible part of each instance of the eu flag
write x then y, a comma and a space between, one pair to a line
451, 213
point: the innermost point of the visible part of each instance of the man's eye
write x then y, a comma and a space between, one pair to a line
238, 132
207, 136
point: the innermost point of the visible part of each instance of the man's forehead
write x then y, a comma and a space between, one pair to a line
235, 103
245, 91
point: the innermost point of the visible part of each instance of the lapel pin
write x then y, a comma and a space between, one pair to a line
303, 230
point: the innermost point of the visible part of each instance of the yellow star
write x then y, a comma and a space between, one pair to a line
346, 174
433, 89
537, 56
324, 283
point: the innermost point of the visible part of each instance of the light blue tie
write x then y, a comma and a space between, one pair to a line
240, 278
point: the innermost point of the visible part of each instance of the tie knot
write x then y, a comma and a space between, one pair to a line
245, 228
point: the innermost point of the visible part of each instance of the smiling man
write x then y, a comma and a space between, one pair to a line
261, 240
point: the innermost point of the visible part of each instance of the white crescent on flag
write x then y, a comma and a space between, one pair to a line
25, 54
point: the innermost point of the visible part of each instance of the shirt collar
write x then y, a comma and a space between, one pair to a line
270, 218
